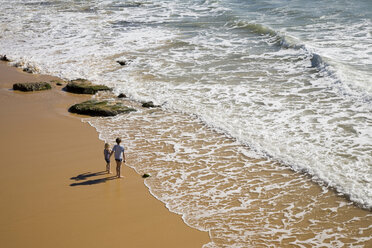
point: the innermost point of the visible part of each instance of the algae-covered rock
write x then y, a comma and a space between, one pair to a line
149, 105
32, 86
99, 108
83, 86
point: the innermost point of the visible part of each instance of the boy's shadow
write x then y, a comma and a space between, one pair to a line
93, 181
87, 174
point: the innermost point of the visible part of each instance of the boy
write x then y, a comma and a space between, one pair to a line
119, 156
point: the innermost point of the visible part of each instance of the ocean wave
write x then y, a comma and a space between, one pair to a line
42, 3
317, 60
253, 27
127, 4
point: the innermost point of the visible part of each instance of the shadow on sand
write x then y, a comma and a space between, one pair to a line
88, 174
93, 181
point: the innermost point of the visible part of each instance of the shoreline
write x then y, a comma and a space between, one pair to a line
143, 134
45, 150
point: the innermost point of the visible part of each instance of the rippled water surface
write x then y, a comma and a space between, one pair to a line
223, 187
250, 92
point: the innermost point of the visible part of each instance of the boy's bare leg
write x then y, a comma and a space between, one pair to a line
118, 168
108, 168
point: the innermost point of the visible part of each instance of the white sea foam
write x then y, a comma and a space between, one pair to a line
223, 191
293, 89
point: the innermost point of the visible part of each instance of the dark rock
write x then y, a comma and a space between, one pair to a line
32, 86
123, 62
122, 95
4, 58
146, 175
149, 105
28, 70
57, 82
99, 108
83, 86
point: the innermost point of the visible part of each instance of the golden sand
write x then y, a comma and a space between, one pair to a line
44, 201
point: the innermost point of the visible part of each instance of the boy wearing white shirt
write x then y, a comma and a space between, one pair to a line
119, 156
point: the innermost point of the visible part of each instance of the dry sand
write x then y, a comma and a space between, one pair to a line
43, 148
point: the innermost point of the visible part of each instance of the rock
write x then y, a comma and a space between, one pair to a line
149, 105
123, 62
83, 86
28, 70
32, 86
122, 95
57, 82
25, 67
146, 175
4, 58
99, 108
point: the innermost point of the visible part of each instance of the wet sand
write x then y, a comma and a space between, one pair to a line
52, 189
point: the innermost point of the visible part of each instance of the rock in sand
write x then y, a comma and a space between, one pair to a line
32, 86
83, 86
99, 108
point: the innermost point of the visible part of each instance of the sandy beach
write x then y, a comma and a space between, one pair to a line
53, 189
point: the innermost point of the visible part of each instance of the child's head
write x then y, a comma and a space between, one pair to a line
118, 140
107, 146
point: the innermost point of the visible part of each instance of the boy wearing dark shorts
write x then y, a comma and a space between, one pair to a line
119, 156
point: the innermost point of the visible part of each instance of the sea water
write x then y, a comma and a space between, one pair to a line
265, 123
